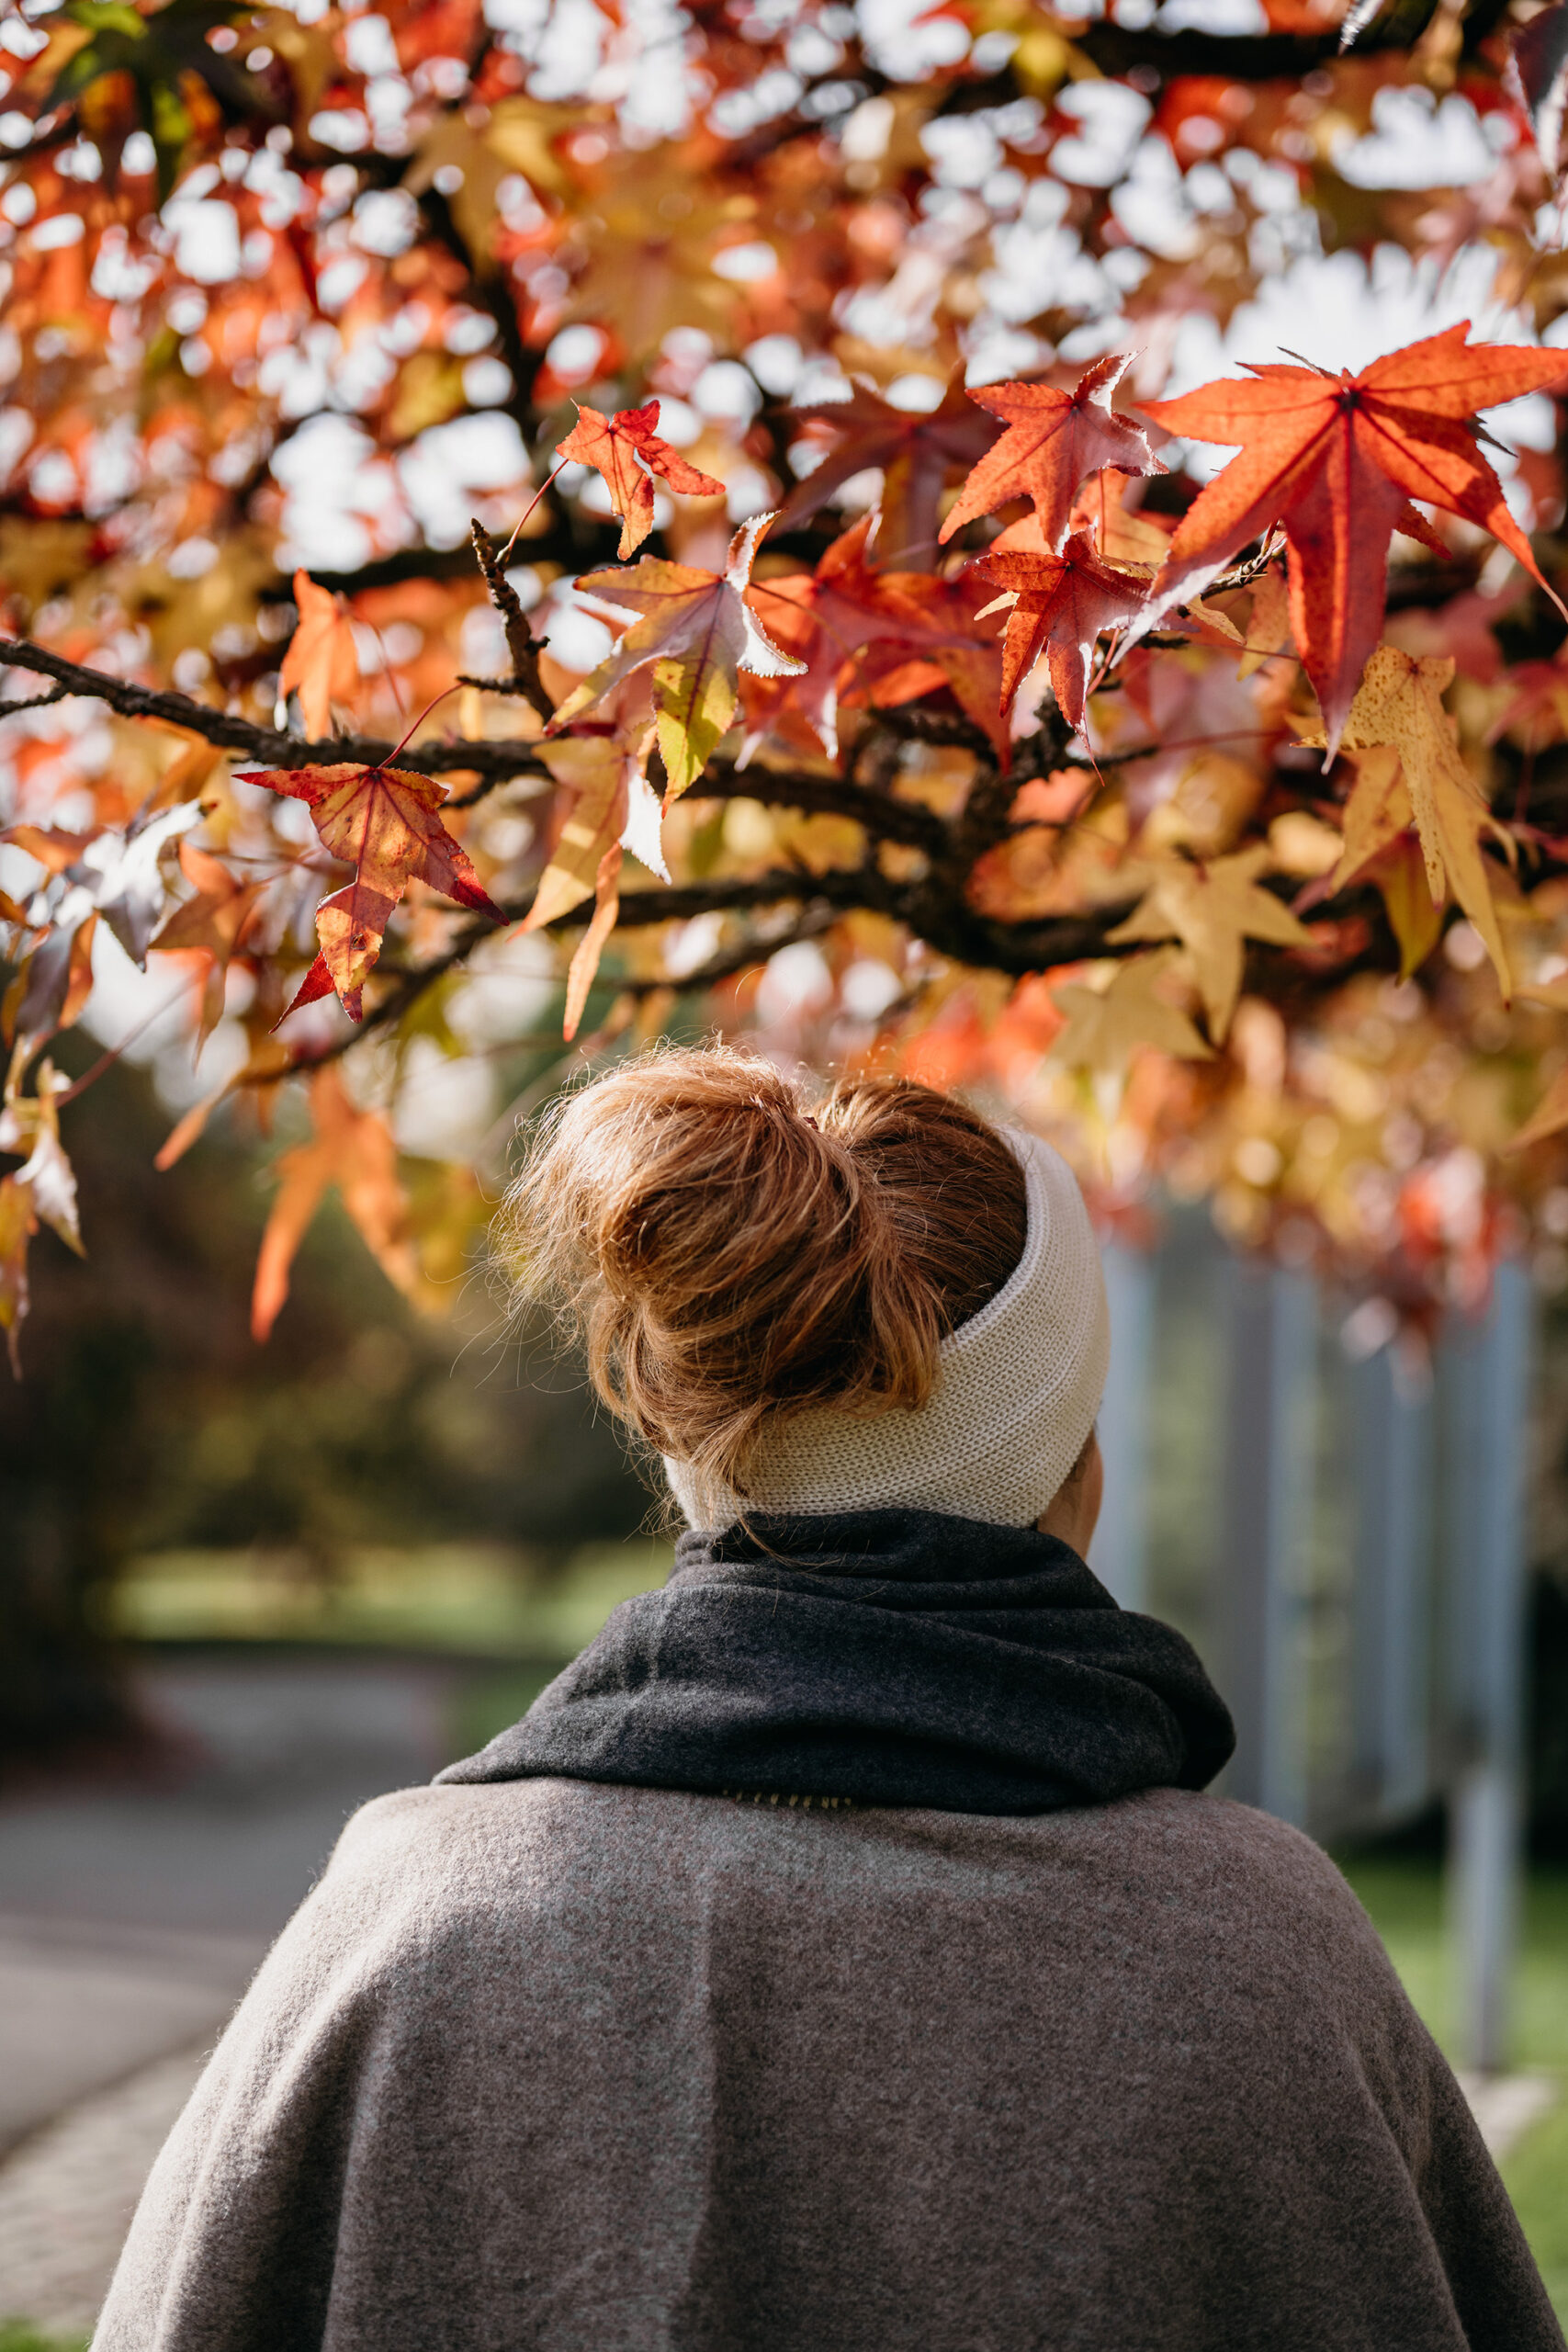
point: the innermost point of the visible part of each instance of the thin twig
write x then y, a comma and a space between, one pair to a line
35, 702
515, 620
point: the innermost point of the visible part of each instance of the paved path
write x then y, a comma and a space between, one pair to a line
66, 2198
133, 1912
83, 2004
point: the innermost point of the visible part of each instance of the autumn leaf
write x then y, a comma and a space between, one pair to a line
826, 618
122, 873
321, 665
881, 636
1537, 67
268, 1061
1061, 605
1106, 1026
353, 1149
600, 772
584, 964
935, 638
473, 161
383, 821
17, 1226
42, 1191
1213, 909
651, 225
51, 987
1400, 875
1054, 441
1538, 692
30, 1126
916, 450
613, 446
698, 633
1121, 534
1399, 704
1382, 848
1337, 459
208, 927
1549, 1117
51, 846
1269, 623
610, 812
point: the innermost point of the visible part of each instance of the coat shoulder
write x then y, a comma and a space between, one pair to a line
1239, 1864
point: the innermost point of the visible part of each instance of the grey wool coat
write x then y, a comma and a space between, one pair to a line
554, 2066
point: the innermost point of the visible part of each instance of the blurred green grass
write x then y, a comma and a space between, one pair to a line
1403, 1896
481, 1600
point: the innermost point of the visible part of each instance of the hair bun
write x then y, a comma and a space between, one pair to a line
728, 1257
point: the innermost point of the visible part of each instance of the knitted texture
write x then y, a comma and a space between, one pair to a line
1021, 1385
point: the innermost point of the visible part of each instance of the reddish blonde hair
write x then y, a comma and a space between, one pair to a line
728, 1257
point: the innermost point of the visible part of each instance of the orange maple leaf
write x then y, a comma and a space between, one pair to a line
1337, 459
1054, 441
321, 665
383, 823
613, 446
208, 927
1063, 604
353, 1149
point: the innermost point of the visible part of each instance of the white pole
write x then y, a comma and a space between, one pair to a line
1268, 1501
1391, 1435
1487, 1368
1119, 1555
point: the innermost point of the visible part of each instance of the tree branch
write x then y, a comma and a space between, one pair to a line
495, 763
520, 645
499, 761
1246, 57
888, 820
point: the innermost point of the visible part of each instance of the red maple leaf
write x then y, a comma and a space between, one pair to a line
383, 821
827, 618
1064, 602
869, 636
917, 450
1054, 441
1337, 459
613, 445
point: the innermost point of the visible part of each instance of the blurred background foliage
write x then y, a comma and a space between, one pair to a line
149, 1424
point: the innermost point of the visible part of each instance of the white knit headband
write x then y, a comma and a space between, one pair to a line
1019, 1386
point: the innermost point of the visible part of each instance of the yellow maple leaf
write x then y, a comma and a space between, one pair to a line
1212, 910
1381, 844
1399, 706
649, 233
1549, 1117
602, 773
1106, 1026
519, 136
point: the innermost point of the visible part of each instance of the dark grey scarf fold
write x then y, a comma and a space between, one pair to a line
892, 1657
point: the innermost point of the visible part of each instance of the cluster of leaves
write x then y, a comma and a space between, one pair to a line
960, 723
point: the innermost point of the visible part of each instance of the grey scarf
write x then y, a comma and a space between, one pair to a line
889, 1657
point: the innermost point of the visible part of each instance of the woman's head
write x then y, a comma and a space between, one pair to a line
759, 1285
